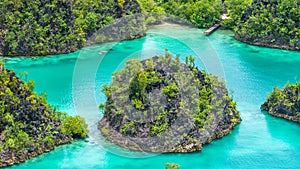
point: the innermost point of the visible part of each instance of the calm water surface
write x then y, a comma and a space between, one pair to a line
73, 83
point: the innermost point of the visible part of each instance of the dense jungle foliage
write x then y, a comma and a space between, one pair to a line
234, 9
284, 103
52, 27
201, 13
271, 23
55, 26
148, 98
28, 125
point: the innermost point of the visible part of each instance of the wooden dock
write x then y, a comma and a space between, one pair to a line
211, 29
216, 25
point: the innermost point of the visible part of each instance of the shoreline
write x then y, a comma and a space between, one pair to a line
25, 157
260, 44
285, 116
143, 34
137, 144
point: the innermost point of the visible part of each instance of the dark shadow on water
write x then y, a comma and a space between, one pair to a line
253, 51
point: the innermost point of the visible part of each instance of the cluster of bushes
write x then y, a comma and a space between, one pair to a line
28, 125
284, 103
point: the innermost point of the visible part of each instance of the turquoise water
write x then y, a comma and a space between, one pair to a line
74, 81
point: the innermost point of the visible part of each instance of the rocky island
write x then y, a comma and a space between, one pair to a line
163, 105
28, 125
284, 103
271, 24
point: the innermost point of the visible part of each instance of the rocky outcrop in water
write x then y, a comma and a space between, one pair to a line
163, 105
28, 125
284, 103
271, 24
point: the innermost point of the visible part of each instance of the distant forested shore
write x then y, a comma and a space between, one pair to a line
37, 28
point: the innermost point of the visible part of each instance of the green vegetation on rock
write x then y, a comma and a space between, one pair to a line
28, 125
55, 26
51, 27
172, 166
270, 23
284, 103
163, 105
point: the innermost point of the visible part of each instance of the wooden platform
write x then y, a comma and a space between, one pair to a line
211, 29
216, 25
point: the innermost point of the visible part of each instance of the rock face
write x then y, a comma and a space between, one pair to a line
28, 125
284, 103
163, 105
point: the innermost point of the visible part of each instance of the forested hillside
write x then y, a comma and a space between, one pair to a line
52, 27
55, 26
259, 22
271, 23
29, 126
201, 13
